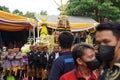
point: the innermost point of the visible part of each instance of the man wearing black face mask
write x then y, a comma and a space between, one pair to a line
86, 62
108, 42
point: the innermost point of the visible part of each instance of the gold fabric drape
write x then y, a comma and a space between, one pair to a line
12, 22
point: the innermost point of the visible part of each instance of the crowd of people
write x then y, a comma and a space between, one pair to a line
68, 61
35, 65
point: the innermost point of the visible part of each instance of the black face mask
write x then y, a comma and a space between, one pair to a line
105, 54
94, 64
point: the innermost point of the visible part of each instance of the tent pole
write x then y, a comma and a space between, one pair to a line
34, 33
37, 32
0, 39
29, 34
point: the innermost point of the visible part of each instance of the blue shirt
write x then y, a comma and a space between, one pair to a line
61, 65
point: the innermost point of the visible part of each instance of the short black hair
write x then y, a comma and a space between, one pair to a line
65, 39
110, 25
78, 50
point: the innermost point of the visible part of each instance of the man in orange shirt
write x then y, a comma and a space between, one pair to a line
86, 62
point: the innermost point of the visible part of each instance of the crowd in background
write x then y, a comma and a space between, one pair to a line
68, 61
34, 65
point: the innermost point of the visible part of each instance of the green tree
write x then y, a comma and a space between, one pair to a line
29, 14
16, 11
3, 8
43, 12
97, 9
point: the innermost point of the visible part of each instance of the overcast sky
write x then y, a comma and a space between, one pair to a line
32, 5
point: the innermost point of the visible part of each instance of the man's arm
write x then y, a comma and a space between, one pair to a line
56, 70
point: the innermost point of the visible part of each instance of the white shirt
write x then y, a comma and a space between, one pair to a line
56, 55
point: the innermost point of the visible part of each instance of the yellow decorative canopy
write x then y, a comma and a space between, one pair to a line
75, 27
12, 22
76, 23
